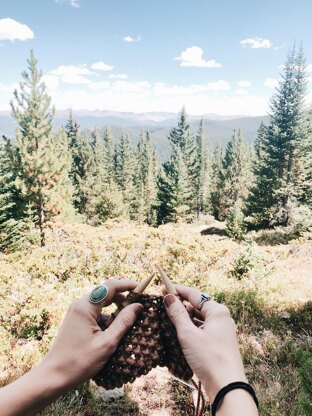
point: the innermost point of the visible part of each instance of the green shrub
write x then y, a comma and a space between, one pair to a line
244, 262
299, 219
305, 374
235, 224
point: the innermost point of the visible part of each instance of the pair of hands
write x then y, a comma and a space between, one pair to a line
81, 349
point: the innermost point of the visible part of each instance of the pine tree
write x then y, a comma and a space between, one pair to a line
39, 167
261, 134
109, 154
202, 172
81, 160
125, 171
10, 229
100, 193
178, 178
237, 178
175, 190
279, 171
146, 181
217, 182
307, 160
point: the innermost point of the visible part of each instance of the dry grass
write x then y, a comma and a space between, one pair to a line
271, 303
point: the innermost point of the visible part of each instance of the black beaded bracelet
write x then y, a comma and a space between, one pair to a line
229, 387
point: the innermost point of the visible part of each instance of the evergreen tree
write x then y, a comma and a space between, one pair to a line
146, 181
109, 155
202, 172
175, 191
39, 167
279, 171
217, 182
10, 229
81, 160
178, 178
261, 134
125, 170
103, 200
237, 178
307, 160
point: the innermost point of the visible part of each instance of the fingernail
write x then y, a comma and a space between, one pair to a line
138, 309
169, 299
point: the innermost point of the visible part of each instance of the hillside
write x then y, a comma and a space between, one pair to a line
218, 129
270, 301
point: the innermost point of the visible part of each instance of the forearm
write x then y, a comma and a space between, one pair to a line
32, 392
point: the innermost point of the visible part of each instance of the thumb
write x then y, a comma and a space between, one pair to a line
177, 313
123, 322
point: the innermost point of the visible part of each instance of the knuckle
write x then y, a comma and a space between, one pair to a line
76, 306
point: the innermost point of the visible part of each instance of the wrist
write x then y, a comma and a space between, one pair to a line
234, 402
221, 378
58, 380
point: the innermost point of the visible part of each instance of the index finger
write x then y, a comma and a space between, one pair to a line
193, 296
114, 287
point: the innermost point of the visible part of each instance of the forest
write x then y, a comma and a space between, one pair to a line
236, 220
49, 175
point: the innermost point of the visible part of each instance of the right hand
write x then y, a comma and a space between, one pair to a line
211, 350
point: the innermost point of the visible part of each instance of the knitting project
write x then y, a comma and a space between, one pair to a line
151, 342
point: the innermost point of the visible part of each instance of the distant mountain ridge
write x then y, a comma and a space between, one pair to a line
219, 129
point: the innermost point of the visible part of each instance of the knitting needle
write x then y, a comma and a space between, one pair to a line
167, 282
143, 284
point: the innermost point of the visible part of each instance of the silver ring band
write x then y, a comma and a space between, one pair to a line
204, 297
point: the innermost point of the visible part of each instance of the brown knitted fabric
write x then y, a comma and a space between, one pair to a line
152, 341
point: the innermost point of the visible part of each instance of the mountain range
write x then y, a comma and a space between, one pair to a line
219, 129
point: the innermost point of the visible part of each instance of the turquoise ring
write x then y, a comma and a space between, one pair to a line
98, 294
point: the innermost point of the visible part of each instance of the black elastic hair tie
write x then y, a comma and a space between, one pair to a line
229, 387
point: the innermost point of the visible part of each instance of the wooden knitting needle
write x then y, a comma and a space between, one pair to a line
143, 285
167, 282
138, 290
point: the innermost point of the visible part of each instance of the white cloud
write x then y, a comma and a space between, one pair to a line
72, 74
256, 43
130, 39
218, 86
73, 3
193, 57
12, 30
51, 81
271, 83
101, 66
162, 89
142, 96
8, 88
277, 48
244, 84
102, 85
118, 76
145, 100
309, 68
241, 91
130, 87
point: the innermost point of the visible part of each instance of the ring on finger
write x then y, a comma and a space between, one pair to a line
98, 295
204, 297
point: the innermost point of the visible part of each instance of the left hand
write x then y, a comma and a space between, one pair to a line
81, 348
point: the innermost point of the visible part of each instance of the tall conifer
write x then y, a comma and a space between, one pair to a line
39, 166
279, 168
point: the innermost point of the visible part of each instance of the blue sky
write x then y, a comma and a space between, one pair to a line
213, 56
